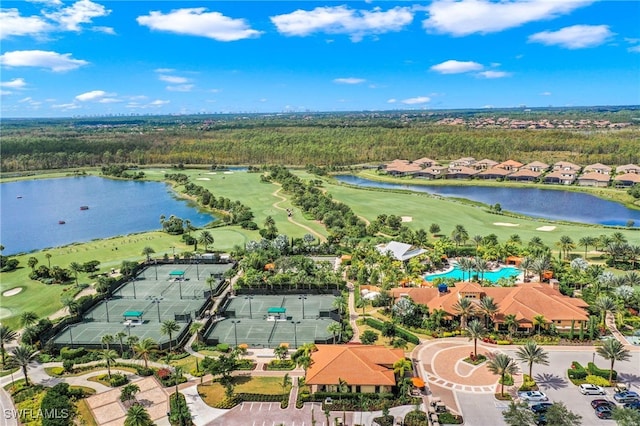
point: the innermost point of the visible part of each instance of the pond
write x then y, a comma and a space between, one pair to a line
38, 214
543, 203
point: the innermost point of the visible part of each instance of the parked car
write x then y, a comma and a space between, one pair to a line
598, 402
603, 412
541, 420
633, 404
533, 396
620, 387
588, 389
540, 407
624, 397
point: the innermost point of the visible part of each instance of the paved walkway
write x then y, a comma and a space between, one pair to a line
353, 314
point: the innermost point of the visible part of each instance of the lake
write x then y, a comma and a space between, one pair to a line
534, 202
32, 209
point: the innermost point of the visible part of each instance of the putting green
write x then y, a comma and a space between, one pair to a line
5, 313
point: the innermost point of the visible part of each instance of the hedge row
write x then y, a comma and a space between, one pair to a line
595, 371
400, 332
577, 371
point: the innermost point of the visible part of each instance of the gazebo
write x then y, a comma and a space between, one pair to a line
176, 274
276, 314
133, 317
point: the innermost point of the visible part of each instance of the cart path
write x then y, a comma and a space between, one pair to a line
290, 219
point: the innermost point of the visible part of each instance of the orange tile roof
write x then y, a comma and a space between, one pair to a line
356, 365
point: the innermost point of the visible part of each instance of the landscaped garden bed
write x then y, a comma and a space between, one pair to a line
475, 359
245, 388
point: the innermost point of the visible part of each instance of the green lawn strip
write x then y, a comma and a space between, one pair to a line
9, 371
84, 415
212, 393
59, 372
426, 210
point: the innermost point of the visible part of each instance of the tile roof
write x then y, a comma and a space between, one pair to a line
597, 166
400, 251
633, 168
524, 173
537, 165
628, 177
598, 177
356, 365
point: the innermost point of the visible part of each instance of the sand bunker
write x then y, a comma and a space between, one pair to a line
407, 219
212, 173
203, 179
12, 292
228, 173
505, 224
546, 228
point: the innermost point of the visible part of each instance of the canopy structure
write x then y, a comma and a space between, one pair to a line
132, 314
176, 273
276, 310
417, 382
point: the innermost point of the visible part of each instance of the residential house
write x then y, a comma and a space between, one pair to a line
400, 251
628, 168
402, 168
460, 172
425, 162
510, 165
597, 168
525, 301
566, 166
362, 368
433, 172
562, 176
493, 173
627, 179
524, 175
598, 179
485, 164
536, 166
464, 162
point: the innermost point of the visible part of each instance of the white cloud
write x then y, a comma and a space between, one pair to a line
634, 49
109, 100
81, 12
392, 101
173, 79
545, 94
180, 88
15, 25
574, 37
106, 30
57, 62
343, 20
16, 83
164, 70
66, 107
349, 80
493, 74
456, 67
199, 22
5, 92
416, 100
159, 102
94, 95
461, 18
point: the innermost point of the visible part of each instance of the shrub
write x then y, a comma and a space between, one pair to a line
449, 419
415, 418
144, 372
383, 421
594, 370
118, 380
503, 342
179, 414
508, 380
577, 371
68, 353
597, 380
528, 383
222, 347
56, 371
67, 365
277, 364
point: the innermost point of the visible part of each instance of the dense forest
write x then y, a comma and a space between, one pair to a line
318, 139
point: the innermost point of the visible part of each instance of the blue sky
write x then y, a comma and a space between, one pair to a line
77, 58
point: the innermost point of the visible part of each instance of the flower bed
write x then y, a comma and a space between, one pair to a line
475, 359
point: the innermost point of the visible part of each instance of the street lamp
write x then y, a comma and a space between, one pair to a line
133, 282
303, 298
106, 305
180, 287
235, 330
249, 298
156, 263
593, 358
295, 333
197, 269
71, 336
156, 300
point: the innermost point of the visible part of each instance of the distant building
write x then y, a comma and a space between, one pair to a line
400, 251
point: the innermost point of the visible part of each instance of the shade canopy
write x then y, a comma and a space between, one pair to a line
276, 310
176, 273
417, 382
136, 314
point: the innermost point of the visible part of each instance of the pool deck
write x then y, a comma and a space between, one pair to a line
452, 267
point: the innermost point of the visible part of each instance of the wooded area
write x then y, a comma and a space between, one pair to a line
303, 139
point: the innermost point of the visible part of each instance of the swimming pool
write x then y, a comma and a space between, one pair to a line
493, 276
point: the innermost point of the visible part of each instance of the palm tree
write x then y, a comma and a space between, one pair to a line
28, 318
48, 256
519, 414
137, 416
613, 350
539, 320
286, 382
477, 240
531, 353
7, 335
466, 265
605, 304
501, 365
144, 348
75, 267
526, 264
401, 366
196, 328
511, 323
586, 242
23, 356
127, 393
169, 327
476, 330
481, 266
132, 341
106, 340
488, 308
71, 304
32, 262
334, 328
120, 336
109, 356
465, 308
148, 251
566, 244
540, 265
339, 303
206, 239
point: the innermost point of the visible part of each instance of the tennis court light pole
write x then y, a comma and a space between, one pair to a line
71, 336
295, 333
235, 330
249, 298
106, 305
303, 298
133, 281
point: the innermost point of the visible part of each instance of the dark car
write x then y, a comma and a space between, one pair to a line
603, 412
541, 420
598, 402
633, 404
541, 407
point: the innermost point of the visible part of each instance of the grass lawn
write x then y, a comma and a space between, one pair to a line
84, 414
212, 393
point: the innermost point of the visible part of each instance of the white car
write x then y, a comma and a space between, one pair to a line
533, 396
587, 389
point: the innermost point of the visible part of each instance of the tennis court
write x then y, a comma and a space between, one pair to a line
139, 306
268, 320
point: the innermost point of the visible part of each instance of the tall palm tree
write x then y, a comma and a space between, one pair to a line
339, 303
587, 242
539, 320
477, 240
206, 239
23, 357
488, 308
476, 330
465, 308
137, 416
286, 382
107, 339
605, 304
501, 365
120, 336
48, 256
540, 265
613, 350
466, 265
7, 335
526, 264
109, 356
71, 304
401, 367
481, 266
32, 262
75, 267
169, 327
148, 251
511, 323
531, 353
196, 328
132, 341
334, 328
144, 348
28, 318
